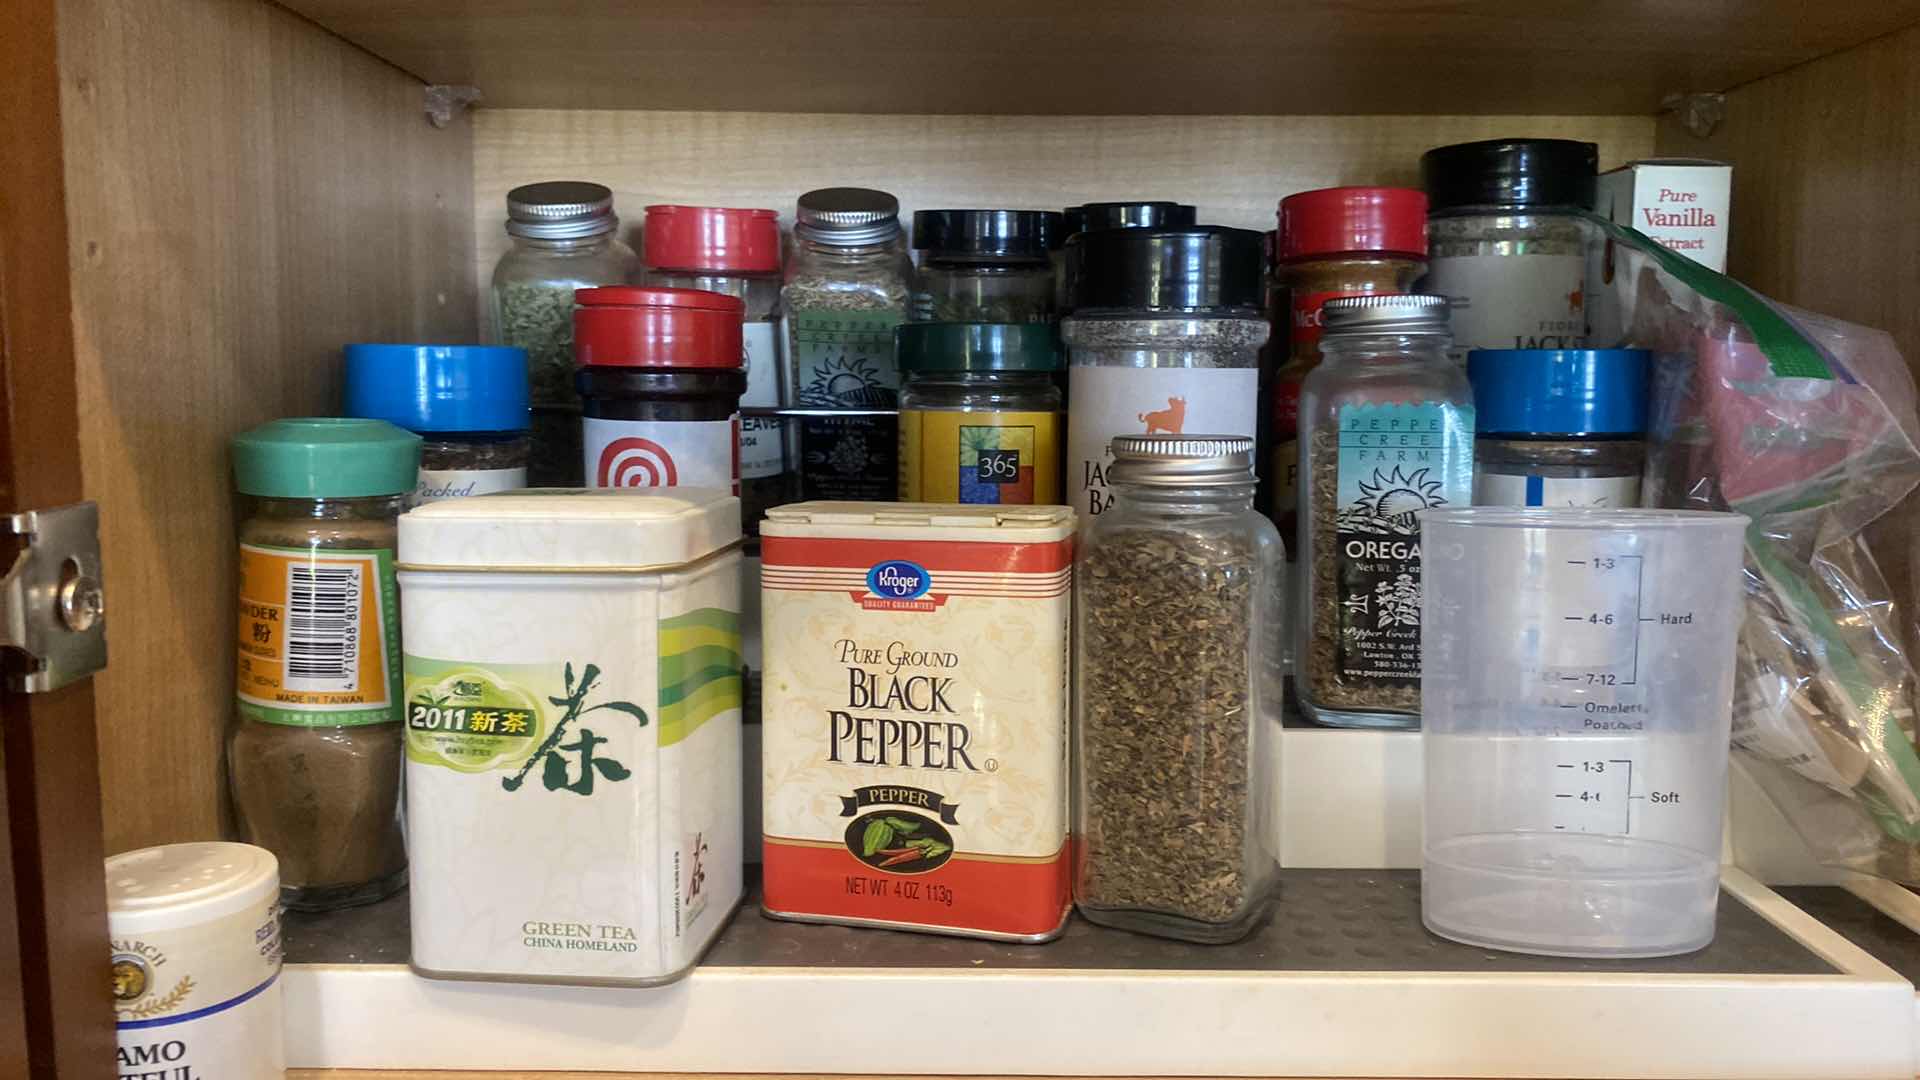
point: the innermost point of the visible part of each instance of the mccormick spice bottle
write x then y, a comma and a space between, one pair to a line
1166, 339
915, 743
847, 287
573, 733
467, 402
1386, 432
1508, 247
736, 252
315, 755
660, 382
1346, 241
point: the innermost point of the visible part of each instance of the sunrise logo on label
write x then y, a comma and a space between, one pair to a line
634, 462
899, 585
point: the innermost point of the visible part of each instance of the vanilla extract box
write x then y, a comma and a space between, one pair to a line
1681, 203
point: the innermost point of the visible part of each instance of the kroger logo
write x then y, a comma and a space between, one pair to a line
897, 579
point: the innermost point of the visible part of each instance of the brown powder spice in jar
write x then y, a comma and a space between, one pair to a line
315, 754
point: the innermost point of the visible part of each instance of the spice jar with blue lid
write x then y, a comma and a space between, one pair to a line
468, 403
1559, 427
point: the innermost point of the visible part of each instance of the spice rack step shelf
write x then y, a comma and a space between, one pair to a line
1342, 980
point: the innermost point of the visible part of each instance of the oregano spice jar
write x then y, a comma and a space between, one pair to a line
1386, 432
1177, 679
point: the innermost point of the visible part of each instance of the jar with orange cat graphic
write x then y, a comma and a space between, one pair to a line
1164, 338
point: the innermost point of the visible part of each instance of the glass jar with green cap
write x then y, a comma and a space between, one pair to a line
315, 754
980, 415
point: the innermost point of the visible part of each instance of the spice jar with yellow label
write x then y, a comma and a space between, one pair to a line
315, 753
980, 416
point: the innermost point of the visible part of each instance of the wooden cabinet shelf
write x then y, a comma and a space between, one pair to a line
1124, 57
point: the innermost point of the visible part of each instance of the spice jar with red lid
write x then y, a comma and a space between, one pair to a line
660, 381
1343, 241
736, 252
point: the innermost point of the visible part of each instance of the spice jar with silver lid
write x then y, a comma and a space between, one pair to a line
1386, 432
564, 238
847, 286
1506, 244
1166, 339
1177, 675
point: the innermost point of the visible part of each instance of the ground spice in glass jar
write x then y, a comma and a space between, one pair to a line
1559, 428
467, 402
316, 753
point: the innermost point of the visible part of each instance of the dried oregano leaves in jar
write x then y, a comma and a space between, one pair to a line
1166, 636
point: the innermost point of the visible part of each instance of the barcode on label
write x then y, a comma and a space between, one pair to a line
323, 628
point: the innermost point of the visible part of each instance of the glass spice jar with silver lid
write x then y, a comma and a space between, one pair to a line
1386, 432
986, 266
1506, 243
1165, 339
847, 286
564, 238
1178, 686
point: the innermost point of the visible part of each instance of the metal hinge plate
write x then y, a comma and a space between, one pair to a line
52, 608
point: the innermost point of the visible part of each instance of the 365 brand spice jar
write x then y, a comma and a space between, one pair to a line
980, 416
1386, 432
660, 383
468, 403
915, 743
1507, 246
194, 931
314, 758
573, 732
1165, 339
736, 252
1346, 241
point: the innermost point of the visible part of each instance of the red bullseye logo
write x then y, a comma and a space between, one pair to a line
634, 462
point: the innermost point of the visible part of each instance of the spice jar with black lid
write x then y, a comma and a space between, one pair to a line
565, 237
735, 252
315, 754
660, 382
1386, 432
847, 286
1506, 243
1166, 340
1090, 217
985, 266
1177, 673
468, 402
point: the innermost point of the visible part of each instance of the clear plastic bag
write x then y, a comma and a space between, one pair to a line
1807, 425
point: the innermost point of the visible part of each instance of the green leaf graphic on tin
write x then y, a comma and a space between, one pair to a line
879, 834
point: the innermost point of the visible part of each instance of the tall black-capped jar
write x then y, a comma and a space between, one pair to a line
660, 382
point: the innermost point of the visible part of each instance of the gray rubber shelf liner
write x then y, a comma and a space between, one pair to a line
1884, 938
1323, 920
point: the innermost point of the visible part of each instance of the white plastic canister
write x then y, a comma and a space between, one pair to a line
195, 933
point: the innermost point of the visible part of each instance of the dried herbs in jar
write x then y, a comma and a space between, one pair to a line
1177, 673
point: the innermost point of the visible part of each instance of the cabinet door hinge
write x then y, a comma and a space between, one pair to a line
54, 610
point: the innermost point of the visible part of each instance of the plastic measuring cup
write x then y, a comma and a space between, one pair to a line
1576, 694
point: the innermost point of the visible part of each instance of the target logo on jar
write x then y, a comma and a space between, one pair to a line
634, 462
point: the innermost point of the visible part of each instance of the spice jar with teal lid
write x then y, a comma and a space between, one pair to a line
980, 415
315, 751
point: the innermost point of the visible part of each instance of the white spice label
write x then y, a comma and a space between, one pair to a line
1513, 301
202, 1001
1110, 401
915, 733
761, 340
1517, 489
437, 484
761, 452
662, 453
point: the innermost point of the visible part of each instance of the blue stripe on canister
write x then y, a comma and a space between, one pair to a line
163, 1021
1536, 491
